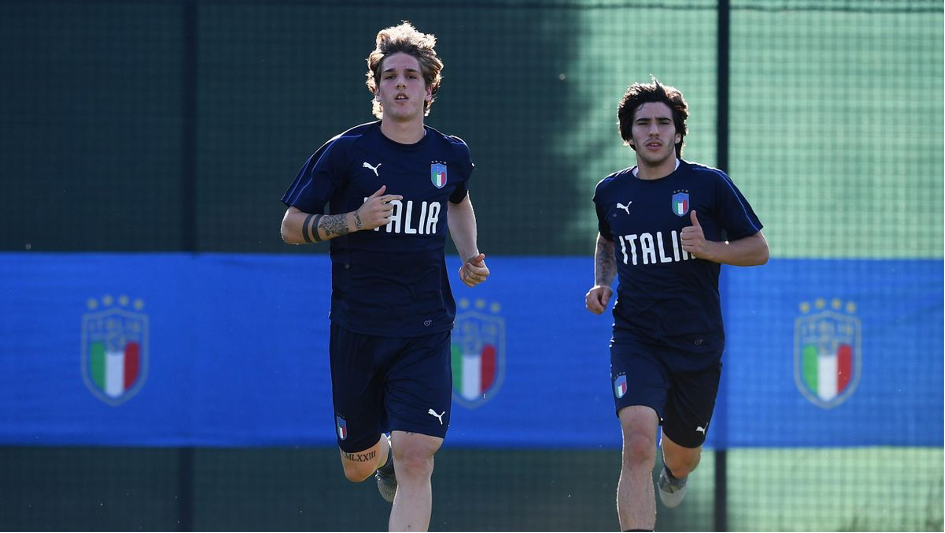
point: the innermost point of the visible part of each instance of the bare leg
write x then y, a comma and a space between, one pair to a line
360, 465
413, 463
636, 501
681, 461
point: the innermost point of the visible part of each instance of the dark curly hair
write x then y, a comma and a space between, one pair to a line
642, 93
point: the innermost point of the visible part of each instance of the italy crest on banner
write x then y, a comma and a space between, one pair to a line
114, 348
477, 353
827, 352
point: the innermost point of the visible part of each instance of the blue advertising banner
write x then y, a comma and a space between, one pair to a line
794, 324
231, 350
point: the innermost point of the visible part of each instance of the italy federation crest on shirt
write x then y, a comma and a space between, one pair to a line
827, 359
680, 203
438, 174
477, 353
114, 348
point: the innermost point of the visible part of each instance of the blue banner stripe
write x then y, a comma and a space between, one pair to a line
236, 353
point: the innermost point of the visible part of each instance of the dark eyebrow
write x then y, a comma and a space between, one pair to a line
411, 70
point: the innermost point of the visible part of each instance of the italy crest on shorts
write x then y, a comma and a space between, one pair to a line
341, 427
438, 174
680, 203
827, 358
620, 386
477, 353
114, 348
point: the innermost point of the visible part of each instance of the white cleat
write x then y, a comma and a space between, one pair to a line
672, 490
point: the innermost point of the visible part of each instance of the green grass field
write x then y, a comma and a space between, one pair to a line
823, 489
293, 489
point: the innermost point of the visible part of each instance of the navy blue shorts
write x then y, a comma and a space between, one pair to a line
643, 374
381, 384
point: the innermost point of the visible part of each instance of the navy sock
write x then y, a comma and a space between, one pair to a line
388, 467
669, 473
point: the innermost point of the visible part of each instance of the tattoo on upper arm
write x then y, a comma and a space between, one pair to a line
359, 457
334, 225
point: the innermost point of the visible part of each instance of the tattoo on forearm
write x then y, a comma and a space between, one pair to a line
357, 220
360, 457
334, 225
305, 227
315, 234
605, 266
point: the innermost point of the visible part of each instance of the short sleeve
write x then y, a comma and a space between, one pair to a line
466, 168
602, 225
735, 213
324, 173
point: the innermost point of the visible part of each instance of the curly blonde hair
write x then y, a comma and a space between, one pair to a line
404, 38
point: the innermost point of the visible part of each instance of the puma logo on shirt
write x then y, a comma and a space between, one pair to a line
368, 165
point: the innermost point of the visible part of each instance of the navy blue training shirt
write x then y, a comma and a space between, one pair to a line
664, 294
391, 281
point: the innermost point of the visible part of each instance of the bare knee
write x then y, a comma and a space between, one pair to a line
639, 426
639, 450
682, 463
413, 462
358, 472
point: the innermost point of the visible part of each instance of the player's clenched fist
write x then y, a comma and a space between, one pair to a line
596, 299
474, 271
376, 210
